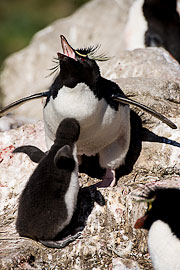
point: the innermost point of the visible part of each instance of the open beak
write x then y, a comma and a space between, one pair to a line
67, 49
140, 222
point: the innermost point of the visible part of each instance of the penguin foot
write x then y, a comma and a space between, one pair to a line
109, 179
61, 243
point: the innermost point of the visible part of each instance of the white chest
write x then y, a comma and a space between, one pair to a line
99, 123
72, 192
70, 197
164, 247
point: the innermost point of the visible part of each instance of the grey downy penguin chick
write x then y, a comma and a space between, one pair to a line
48, 200
163, 223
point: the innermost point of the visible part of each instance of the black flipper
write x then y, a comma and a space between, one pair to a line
18, 103
34, 153
126, 100
149, 136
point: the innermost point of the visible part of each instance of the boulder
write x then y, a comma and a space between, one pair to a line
26, 71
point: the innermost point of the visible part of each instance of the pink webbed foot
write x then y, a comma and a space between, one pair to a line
109, 179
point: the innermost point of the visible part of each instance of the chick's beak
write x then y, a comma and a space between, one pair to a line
67, 49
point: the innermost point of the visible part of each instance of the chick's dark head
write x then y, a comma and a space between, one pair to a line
163, 204
68, 131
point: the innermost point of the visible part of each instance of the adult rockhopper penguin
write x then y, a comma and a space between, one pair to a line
99, 105
163, 223
81, 92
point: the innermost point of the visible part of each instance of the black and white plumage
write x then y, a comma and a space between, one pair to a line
154, 23
49, 198
163, 223
98, 104
79, 91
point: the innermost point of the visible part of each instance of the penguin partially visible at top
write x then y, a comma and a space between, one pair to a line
99, 105
154, 23
49, 198
163, 223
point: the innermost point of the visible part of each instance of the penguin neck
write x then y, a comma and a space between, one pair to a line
55, 87
164, 246
102, 88
58, 144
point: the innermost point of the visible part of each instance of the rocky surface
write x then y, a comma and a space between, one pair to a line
150, 76
109, 240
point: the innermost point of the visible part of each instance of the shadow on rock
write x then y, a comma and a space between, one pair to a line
90, 165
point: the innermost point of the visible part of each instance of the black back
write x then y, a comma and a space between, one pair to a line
163, 25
